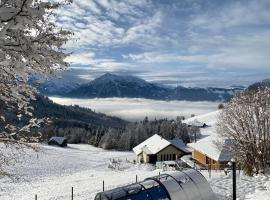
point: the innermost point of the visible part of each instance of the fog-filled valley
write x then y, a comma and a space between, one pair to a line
135, 109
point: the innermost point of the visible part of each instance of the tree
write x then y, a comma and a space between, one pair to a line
220, 106
30, 44
246, 122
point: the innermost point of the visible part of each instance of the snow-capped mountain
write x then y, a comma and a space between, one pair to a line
60, 85
111, 85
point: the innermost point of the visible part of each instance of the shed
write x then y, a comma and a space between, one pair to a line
58, 141
188, 184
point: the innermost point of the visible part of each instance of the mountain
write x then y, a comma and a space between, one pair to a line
111, 85
205, 94
263, 83
73, 116
64, 82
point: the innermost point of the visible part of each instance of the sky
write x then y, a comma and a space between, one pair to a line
174, 42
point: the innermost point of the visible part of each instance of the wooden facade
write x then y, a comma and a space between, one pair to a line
208, 162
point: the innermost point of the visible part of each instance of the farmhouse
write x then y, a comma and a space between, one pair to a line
205, 152
157, 148
58, 141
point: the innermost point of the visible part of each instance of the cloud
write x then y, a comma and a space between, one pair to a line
137, 109
99, 64
157, 36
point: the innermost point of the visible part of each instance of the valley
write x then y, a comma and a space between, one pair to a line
135, 109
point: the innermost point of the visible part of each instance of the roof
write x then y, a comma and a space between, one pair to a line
157, 143
196, 123
178, 143
59, 140
154, 144
207, 145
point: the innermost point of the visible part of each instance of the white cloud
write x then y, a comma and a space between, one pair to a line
81, 59
234, 14
137, 109
152, 35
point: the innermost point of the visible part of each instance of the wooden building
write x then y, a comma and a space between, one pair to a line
208, 155
58, 141
205, 152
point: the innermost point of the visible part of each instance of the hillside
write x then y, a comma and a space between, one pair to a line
263, 83
55, 170
69, 116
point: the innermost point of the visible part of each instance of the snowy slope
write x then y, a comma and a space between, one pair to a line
55, 170
209, 136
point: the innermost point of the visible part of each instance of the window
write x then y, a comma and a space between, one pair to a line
170, 156
207, 160
174, 156
161, 157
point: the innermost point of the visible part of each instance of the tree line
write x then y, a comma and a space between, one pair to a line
127, 137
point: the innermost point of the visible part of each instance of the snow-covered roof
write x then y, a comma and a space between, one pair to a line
156, 143
207, 145
196, 123
59, 140
180, 145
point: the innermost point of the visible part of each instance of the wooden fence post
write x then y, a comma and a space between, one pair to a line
103, 186
36, 197
136, 178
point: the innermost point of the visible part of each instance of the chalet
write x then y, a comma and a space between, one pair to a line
58, 141
157, 148
205, 152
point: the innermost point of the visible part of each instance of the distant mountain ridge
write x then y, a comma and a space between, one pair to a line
263, 83
111, 85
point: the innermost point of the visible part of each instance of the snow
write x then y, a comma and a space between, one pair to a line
180, 145
55, 170
59, 140
206, 144
154, 144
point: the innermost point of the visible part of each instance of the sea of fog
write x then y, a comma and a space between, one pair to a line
135, 109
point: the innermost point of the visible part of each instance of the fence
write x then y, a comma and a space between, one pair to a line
103, 188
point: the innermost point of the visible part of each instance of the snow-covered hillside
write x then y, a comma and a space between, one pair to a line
53, 171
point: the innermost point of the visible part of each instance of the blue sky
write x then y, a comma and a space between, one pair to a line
187, 42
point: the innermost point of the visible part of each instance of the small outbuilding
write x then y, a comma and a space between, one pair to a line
196, 123
58, 141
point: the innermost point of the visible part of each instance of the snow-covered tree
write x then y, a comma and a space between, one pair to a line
30, 44
246, 121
